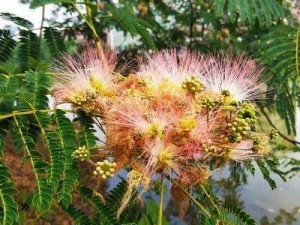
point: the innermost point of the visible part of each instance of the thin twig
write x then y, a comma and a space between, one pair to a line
273, 125
89, 22
161, 199
20, 113
198, 204
210, 198
42, 25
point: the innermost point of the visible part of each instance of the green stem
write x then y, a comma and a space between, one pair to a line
89, 22
210, 198
18, 113
262, 110
297, 54
160, 212
198, 204
42, 25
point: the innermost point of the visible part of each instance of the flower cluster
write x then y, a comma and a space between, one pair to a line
174, 116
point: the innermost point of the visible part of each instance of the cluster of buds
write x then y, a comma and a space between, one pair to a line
239, 128
247, 111
256, 141
192, 85
209, 148
226, 93
259, 144
209, 103
82, 153
88, 108
105, 169
273, 134
80, 100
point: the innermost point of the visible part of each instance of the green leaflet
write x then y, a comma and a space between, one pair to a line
33, 95
54, 40
28, 50
7, 45
37, 3
264, 11
231, 215
43, 196
52, 139
105, 215
266, 173
9, 208
17, 20
86, 135
114, 198
66, 132
79, 217
278, 50
133, 25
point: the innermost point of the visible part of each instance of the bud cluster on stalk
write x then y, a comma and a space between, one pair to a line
192, 85
274, 134
82, 153
82, 99
239, 128
105, 169
209, 103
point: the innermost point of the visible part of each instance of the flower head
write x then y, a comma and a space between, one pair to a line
167, 71
84, 77
238, 76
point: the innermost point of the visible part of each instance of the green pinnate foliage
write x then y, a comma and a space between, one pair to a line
17, 20
266, 173
150, 215
33, 95
52, 139
56, 169
113, 200
28, 50
66, 131
8, 91
231, 214
9, 209
133, 25
86, 135
105, 215
7, 45
79, 217
54, 40
3, 133
37, 3
266, 12
43, 196
279, 51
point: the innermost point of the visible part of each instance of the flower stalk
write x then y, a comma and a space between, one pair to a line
161, 199
89, 22
198, 204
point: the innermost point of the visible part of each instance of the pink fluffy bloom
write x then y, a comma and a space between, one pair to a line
169, 66
138, 118
163, 155
81, 76
239, 75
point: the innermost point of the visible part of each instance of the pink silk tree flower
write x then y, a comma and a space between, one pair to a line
165, 71
83, 77
239, 75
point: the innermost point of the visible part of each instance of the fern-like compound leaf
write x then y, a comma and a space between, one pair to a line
7, 45
67, 137
54, 40
9, 205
